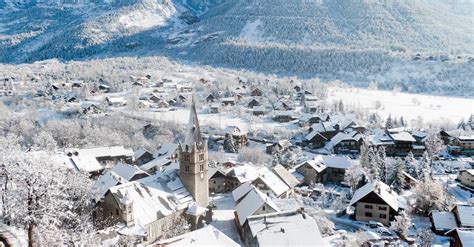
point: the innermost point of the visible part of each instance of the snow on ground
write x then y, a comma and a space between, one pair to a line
223, 216
147, 19
252, 31
410, 106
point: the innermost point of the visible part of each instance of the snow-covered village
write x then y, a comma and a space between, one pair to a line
236, 123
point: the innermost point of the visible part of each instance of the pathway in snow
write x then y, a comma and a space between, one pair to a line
223, 216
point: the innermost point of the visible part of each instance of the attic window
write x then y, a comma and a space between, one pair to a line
263, 207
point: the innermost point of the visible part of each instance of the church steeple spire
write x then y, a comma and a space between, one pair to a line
193, 161
193, 134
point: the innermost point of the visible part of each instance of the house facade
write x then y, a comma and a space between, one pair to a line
375, 201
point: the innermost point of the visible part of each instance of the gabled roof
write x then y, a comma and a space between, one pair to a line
275, 184
86, 163
379, 188
214, 171
127, 171
466, 236
155, 163
251, 203
321, 162
206, 236
286, 176
108, 180
380, 137
242, 191
244, 173
443, 220
402, 136
289, 228
166, 150
314, 133
333, 161
153, 197
465, 215
99, 152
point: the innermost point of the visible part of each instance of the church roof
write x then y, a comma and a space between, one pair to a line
193, 133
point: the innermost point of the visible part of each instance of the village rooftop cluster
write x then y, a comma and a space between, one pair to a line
261, 164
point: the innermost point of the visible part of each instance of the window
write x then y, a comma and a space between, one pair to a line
201, 168
383, 216
201, 157
368, 214
263, 207
186, 168
116, 211
369, 206
185, 158
214, 181
382, 208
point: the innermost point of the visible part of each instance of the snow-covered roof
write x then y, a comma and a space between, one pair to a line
466, 236
86, 163
127, 171
99, 152
140, 152
228, 99
313, 133
213, 171
206, 236
234, 130
108, 180
251, 203
242, 190
332, 161
380, 138
154, 197
466, 138
443, 220
465, 215
244, 173
285, 175
402, 136
274, 183
196, 210
419, 134
166, 149
339, 137
381, 189
289, 228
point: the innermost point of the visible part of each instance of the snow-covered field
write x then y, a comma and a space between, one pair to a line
411, 106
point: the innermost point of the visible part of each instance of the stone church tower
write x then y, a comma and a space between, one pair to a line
193, 161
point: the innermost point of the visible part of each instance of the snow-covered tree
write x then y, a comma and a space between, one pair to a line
401, 224
253, 155
430, 195
364, 156
411, 165
389, 122
46, 199
425, 167
381, 163
425, 237
354, 175
433, 145
325, 225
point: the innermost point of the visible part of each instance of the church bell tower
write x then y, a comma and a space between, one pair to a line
193, 161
